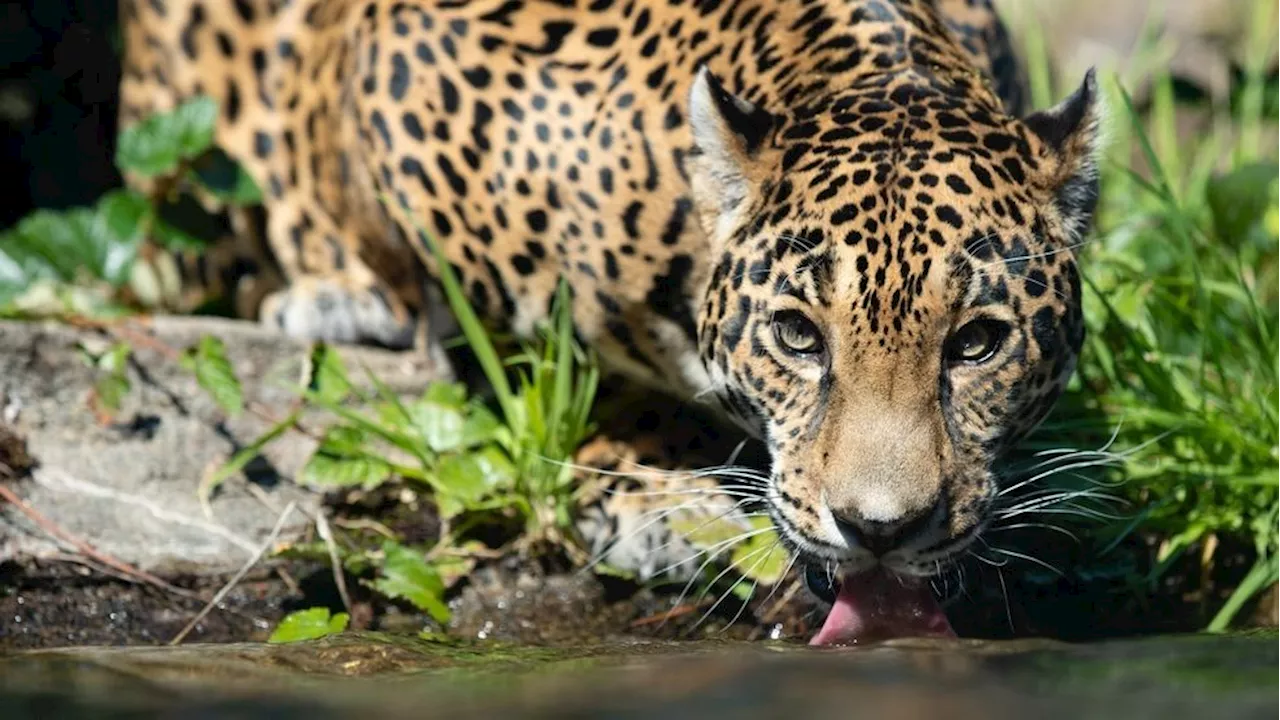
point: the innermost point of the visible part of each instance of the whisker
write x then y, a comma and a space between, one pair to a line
718, 548
786, 572
1004, 590
697, 573
1045, 526
736, 583
686, 536
1028, 558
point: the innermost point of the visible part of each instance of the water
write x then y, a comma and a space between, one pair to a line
374, 675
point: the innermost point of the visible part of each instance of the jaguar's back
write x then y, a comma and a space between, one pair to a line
534, 139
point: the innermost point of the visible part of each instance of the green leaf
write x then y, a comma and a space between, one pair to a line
113, 385
182, 223
705, 530
452, 395
439, 419
122, 218
156, 145
69, 245
308, 624
21, 268
470, 477
225, 179
603, 568
344, 460
481, 426
208, 360
111, 391
328, 374
406, 575
761, 557
63, 239
440, 426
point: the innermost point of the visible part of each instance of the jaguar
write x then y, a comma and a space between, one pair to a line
833, 223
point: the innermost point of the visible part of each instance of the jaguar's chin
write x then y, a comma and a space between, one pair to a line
876, 604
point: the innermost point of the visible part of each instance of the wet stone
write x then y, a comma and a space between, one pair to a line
376, 675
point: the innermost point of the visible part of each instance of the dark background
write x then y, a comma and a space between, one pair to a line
59, 77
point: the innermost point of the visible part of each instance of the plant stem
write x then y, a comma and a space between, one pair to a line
1263, 573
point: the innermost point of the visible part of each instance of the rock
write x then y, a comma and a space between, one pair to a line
128, 487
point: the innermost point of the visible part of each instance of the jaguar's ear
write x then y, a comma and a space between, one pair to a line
728, 133
1073, 132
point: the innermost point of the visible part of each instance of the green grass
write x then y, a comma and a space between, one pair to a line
1178, 378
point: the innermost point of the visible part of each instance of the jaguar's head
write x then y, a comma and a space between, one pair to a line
893, 303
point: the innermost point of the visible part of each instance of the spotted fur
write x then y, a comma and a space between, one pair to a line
717, 180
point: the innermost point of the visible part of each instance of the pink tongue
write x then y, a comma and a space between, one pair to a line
877, 606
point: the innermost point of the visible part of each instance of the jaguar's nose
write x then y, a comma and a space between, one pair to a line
882, 537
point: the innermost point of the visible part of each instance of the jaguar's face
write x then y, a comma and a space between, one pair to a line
894, 304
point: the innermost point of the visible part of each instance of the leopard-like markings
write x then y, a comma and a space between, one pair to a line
826, 215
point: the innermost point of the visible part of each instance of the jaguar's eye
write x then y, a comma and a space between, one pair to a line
976, 342
796, 333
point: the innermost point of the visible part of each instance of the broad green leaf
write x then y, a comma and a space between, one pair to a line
470, 477
183, 223
172, 237
449, 506
706, 529
225, 179
479, 427
208, 360
375, 426
453, 395
72, 244
761, 557
62, 239
406, 575
308, 624
121, 217
440, 426
20, 268
156, 145
344, 459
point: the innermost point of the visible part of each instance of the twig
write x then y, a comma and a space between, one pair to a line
782, 601
244, 570
366, 524
288, 580
665, 615
51, 528
326, 534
